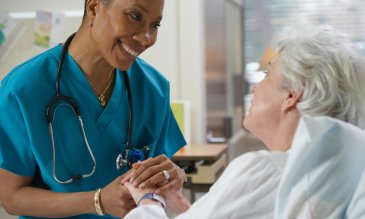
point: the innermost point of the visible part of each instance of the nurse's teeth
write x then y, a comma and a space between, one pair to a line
135, 54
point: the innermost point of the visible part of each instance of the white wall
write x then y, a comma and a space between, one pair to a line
178, 53
32, 5
192, 63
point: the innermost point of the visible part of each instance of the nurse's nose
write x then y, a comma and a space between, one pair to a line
144, 37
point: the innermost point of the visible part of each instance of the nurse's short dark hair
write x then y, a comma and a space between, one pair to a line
105, 2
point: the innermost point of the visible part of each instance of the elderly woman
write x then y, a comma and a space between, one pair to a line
315, 72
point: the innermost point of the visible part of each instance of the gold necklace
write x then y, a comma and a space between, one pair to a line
102, 95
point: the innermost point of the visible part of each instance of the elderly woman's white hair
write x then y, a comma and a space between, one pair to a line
326, 67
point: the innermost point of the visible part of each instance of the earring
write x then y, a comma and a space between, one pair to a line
91, 23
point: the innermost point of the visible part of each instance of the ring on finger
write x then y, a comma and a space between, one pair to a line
166, 174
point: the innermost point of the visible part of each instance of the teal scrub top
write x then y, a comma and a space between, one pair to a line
25, 142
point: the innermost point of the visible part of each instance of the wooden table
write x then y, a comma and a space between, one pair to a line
201, 154
195, 152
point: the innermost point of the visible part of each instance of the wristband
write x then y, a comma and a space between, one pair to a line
154, 197
97, 203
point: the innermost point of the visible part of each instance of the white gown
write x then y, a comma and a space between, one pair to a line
246, 189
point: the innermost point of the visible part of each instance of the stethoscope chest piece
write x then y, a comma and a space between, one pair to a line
121, 162
132, 156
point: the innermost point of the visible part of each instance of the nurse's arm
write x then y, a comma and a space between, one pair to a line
18, 197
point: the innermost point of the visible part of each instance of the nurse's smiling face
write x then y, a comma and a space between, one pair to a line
123, 29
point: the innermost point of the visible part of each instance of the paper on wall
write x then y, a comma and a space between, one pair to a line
48, 28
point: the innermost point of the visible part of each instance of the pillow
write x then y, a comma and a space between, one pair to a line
324, 169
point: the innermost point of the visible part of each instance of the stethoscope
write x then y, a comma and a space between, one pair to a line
132, 155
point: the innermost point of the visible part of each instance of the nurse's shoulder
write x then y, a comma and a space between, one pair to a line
145, 72
31, 73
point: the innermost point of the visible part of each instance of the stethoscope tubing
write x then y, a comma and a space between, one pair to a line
72, 104
130, 123
54, 154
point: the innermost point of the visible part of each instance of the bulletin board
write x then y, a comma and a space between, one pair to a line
20, 44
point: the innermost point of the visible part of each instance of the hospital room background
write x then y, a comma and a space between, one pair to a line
211, 51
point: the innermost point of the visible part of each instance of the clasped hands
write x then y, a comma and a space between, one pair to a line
158, 175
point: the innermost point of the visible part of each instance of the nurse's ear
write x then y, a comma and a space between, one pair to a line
291, 100
91, 8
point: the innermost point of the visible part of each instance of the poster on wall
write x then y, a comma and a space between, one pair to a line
48, 28
7, 25
181, 111
10, 30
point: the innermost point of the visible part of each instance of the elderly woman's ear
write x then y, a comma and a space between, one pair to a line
291, 100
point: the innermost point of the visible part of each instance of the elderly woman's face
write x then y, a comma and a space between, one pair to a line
266, 107
125, 29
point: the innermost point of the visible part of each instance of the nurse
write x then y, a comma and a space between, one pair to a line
62, 130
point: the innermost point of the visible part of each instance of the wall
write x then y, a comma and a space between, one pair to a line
178, 53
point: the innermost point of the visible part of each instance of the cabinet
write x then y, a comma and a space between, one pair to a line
224, 68
203, 164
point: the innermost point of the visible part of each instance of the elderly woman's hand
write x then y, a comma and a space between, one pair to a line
159, 172
136, 192
175, 200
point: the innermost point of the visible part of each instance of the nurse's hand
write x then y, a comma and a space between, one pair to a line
116, 199
150, 173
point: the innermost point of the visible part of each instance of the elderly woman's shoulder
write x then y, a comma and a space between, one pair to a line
254, 169
258, 161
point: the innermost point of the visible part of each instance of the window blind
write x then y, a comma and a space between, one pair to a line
263, 18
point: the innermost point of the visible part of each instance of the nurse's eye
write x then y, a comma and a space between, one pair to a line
156, 26
135, 16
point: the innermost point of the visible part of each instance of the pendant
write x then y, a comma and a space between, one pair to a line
102, 100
